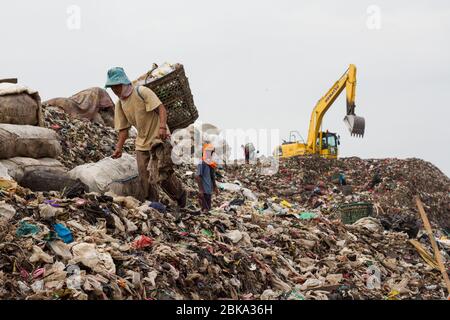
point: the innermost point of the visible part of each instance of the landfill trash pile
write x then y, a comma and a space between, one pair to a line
82, 141
390, 184
93, 104
267, 237
93, 246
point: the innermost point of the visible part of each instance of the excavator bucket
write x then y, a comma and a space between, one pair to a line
355, 125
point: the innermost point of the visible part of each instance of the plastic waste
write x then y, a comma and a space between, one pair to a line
91, 257
286, 204
4, 175
47, 211
7, 212
229, 186
207, 233
60, 249
64, 233
249, 194
235, 236
101, 175
158, 206
369, 223
26, 229
7, 185
40, 255
142, 242
307, 215
233, 187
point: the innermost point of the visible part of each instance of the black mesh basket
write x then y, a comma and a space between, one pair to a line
174, 92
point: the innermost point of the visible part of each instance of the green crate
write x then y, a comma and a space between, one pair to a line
352, 212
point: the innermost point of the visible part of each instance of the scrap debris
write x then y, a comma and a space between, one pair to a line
82, 141
269, 236
390, 184
123, 248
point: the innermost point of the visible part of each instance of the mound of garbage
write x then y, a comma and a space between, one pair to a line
101, 246
276, 236
390, 184
82, 141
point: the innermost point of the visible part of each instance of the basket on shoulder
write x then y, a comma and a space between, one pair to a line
170, 84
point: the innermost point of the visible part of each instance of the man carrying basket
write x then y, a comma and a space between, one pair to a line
140, 107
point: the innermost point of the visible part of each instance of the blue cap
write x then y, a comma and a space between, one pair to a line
116, 76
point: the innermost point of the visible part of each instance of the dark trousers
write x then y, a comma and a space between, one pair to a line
161, 174
247, 157
205, 201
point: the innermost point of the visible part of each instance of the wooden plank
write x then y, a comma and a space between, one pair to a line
10, 80
437, 254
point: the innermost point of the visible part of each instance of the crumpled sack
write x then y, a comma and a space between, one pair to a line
61, 249
47, 211
7, 211
20, 105
88, 255
99, 176
28, 141
235, 236
369, 223
40, 255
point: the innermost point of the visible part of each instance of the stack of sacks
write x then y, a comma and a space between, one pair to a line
26, 148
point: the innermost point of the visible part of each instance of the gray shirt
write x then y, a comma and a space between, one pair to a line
206, 173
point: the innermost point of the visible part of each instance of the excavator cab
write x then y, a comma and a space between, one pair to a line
325, 144
328, 144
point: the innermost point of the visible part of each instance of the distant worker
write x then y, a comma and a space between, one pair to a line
342, 180
376, 179
205, 177
249, 152
140, 107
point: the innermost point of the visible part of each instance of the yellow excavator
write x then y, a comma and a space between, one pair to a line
326, 143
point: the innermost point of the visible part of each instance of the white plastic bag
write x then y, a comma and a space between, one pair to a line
237, 188
100, 175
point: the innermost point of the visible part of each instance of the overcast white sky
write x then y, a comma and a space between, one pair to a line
256, 64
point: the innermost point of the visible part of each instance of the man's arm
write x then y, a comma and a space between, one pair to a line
123, 136
162, 112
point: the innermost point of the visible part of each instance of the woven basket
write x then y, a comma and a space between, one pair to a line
352, 212
174, 92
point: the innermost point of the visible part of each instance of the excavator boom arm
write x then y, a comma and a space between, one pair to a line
356, 124
351, 89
